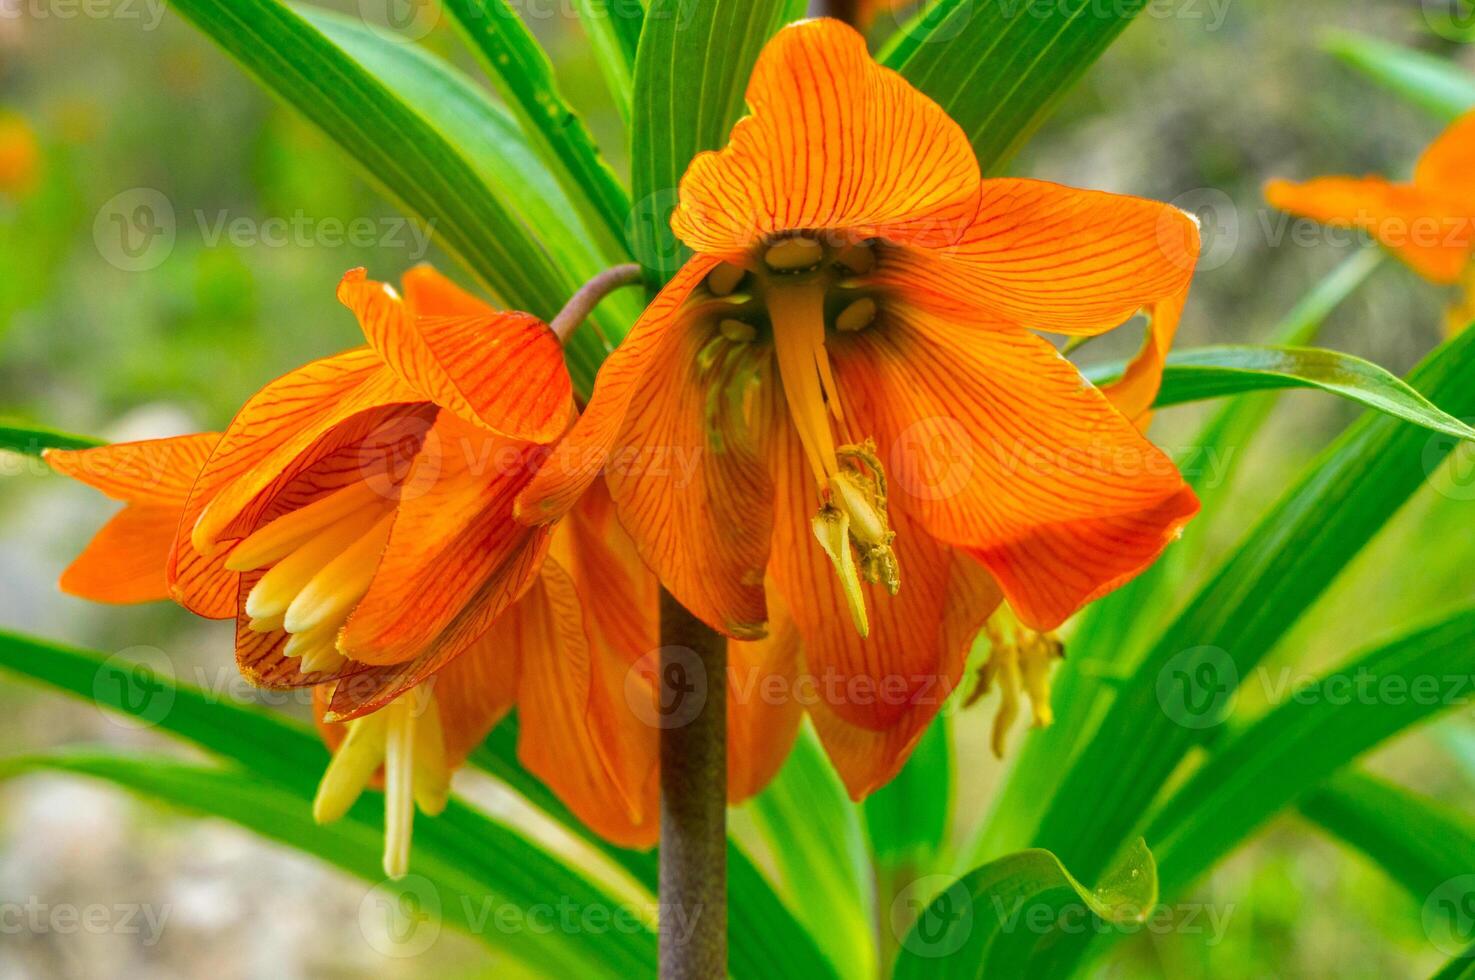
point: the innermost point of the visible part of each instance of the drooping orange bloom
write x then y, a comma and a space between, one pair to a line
834, 435
355, 519
20, 155
1429, 222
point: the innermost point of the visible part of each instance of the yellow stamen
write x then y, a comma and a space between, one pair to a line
399, 783
275, 591
286, 534
318, 650
1020, 660
725, 278
432, 774
333, 592
353, 765
265, 624
832, 528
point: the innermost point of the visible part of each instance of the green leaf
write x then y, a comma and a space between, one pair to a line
813, 835
1202, 373
464, 867
1000, 68
1461, 967
1433, 83
907, 819
1282, 566
613, 27
1313, 731
1421, 843
690, 74
493, 143
990, 922
1109, 633
522, 74
30, 440
397, 148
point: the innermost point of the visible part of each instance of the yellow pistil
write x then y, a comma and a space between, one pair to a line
1019, 659
404, 737
852, 524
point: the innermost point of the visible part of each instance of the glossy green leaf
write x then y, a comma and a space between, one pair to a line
494, 144
522, 74
1201, 373
1313, 730
30, 440
907, 819
1461, 967
1000, 68
613, 28
1436, 84
1281, 567
690, 74
397, 147
813, 836
1421, 843
992, 921
1109, 634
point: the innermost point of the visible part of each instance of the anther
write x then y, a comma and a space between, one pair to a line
856, 316
737, 331
794, 255
725, 278
858, 259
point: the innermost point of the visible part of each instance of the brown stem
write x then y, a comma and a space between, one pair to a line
693, 858
846, 10
582, 303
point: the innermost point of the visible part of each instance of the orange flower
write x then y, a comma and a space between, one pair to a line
356, 520
848, 356
20, 155
1429, 223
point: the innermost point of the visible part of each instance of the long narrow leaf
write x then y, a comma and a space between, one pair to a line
613, 27
690, 74
1431, 82
30, 440
1283, 565
998, 68
1316, 731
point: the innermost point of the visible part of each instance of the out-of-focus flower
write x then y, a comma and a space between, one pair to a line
20, 155
1428, 222
355, 519
835, 427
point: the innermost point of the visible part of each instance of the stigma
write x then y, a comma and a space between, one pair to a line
405, 741
318, 562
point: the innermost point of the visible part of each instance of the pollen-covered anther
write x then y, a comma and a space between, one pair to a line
855, 531
725, 279
1020, 661
737, 331
796, 254
857, 316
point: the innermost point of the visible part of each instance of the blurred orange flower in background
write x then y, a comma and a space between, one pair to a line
850, 356
20, 155
1429, 222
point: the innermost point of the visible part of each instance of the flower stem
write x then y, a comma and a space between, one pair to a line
693, 858
582, 303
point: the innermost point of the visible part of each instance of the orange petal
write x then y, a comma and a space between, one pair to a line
1135, 391
873, 681
996, 444
1425, 228
453, 535
834, 141
763, 707
1448, 164
622, 614
428, 293
126, 560
1054, 258
563, 741
155, 471
474, 691
581, 456
503, 371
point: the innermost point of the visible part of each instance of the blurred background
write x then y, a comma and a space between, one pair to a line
106, 108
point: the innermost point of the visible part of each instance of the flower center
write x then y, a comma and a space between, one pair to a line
799, 292
405, 738
318, 561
